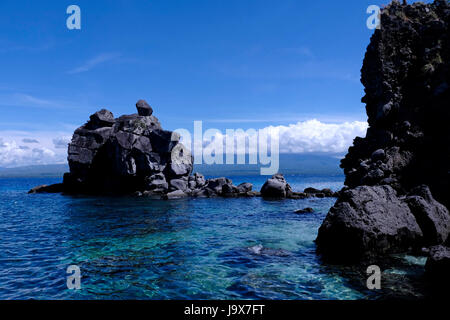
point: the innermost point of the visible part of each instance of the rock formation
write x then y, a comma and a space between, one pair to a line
134, 155
397, 177
276, 187
304, 210
130, 153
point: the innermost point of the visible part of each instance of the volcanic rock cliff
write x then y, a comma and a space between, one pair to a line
397, 177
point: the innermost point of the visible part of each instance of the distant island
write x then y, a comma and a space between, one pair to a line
35, 171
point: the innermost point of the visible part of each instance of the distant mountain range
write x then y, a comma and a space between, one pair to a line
310, 164
49, 170
305, 164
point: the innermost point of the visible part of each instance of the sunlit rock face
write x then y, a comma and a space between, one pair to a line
130, 153
398, 174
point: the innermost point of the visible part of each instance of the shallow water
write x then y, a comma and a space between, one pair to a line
136, 248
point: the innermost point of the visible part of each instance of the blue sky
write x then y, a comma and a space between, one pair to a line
232, 64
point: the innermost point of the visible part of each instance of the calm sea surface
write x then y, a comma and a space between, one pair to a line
135, 248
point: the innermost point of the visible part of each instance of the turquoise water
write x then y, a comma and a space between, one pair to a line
136, 248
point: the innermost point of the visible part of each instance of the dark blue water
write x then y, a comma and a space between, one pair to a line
136, 248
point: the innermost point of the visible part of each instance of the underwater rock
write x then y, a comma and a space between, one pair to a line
124, 155
259, 249
177, 194
276, 187
305, 210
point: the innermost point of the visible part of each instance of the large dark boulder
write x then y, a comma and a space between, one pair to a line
245, 187
179, 184
144, 108
216, 185
100, 119
276, 187
54, 188
366, 221
156, 181
432, 217
123, 155
398, 174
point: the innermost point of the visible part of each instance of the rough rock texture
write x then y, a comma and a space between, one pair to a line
432, 217
126, 154
276, 187
54, 188
367, 220
144, 108
398, 175
438, 266
406, 77
133, 155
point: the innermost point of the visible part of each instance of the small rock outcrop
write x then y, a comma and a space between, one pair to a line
397, 176
305, 210
276, 187
54, 188
368, 220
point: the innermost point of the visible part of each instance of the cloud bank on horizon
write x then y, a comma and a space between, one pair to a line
314, 136
20, 148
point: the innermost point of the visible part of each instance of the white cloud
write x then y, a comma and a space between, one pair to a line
15, 150
311, 136
316, 136
11, 155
